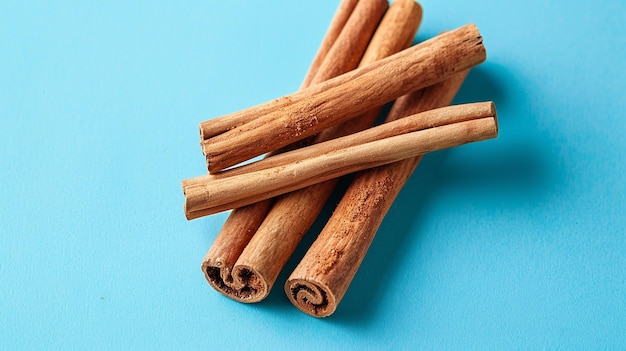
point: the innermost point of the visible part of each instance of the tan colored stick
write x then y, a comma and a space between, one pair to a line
243, 222
280, 233
310, 198
321, 279
353, 41
338, 22
256, 186
414, 68
395, 33
359, 25
424, 120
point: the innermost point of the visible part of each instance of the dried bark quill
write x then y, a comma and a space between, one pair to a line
322, 132
238, 274
395, 141
309, 112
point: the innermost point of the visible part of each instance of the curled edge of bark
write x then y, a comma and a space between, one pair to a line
312, 298
240, 283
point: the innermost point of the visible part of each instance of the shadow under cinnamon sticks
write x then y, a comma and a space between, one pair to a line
480, 126
249, 281
489, 176
319, 282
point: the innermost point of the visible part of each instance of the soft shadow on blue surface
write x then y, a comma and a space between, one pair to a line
508, 174
505, 174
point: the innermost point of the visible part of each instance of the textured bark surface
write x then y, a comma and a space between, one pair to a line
224, 193
367, 87
319, 282
343, 55
351, 28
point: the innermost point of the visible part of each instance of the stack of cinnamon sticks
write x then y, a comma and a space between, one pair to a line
314, 136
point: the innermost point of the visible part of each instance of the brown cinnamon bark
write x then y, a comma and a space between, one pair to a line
219, 262
342, 14
320, 280
225, 192
428, 119
369, 87
348, 45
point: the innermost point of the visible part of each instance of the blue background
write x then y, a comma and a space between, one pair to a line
515, 243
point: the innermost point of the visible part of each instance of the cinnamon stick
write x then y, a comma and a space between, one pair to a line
242, 189
306, 114
335, 27
243, 222
395, 32
358, 20
320, 280
353, 41
436, 117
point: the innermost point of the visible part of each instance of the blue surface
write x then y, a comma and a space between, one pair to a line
516, 243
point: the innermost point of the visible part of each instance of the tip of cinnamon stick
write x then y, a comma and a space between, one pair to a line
241, 283
495, 115
202, 137
188, 214
479, 37
312, 298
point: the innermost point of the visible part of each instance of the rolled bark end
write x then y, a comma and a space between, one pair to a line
312, 298
242, 284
